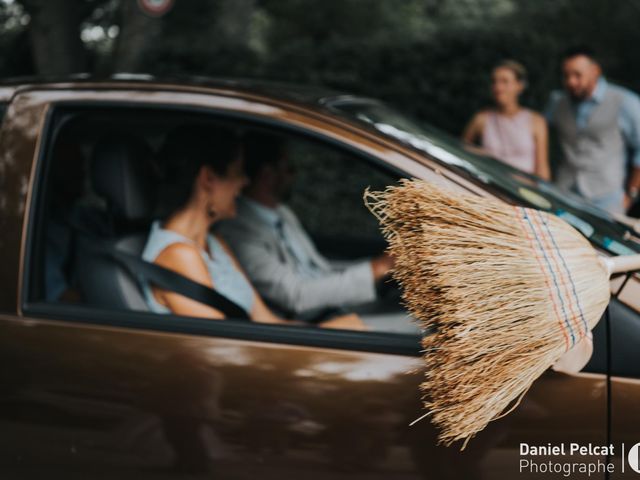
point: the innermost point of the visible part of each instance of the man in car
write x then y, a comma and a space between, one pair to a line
276, 251
597, 123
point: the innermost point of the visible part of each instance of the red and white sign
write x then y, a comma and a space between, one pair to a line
155, 8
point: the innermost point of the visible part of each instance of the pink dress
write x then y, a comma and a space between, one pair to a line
510, 139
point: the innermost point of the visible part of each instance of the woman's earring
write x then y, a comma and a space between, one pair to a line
211, 213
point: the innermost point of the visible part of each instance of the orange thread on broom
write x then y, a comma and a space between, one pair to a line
566, 269
524, 228
558, 293
563, 280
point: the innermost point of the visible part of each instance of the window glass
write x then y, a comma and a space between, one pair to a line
327, 196
597, 225
105, 190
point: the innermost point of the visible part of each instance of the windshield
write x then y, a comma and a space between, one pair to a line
529, 190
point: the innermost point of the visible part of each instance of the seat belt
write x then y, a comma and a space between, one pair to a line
174, 282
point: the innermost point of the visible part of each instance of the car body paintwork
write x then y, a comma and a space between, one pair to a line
91, 400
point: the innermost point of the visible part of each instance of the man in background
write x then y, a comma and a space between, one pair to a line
276, 251
597, 124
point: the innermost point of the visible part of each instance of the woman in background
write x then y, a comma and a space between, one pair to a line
509, 132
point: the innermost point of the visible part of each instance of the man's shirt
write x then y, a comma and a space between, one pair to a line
628, 117
285, 266
290, 239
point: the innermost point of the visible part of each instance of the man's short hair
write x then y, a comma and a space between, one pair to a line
580, 50
261, 149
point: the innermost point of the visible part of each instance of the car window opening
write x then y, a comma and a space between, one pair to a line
104, 191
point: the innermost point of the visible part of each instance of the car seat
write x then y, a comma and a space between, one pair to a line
121, 173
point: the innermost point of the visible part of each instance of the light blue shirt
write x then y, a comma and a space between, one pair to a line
268, 215
628, 119
226, 278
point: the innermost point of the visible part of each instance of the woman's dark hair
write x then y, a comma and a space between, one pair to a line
185, 151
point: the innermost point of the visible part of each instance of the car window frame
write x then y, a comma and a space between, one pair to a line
3, 110
370, 341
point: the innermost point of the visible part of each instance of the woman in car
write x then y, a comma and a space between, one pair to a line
203, 175
509, 132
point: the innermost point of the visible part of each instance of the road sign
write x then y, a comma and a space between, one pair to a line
155, 8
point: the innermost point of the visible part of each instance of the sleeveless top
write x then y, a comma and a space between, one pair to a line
510, 139
227, 279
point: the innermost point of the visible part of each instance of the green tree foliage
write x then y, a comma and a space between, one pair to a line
431, 58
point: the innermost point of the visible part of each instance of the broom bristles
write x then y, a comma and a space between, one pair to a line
506, 291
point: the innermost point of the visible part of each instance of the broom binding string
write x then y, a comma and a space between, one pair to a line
557, 275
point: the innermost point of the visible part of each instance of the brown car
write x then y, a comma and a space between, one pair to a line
96, 386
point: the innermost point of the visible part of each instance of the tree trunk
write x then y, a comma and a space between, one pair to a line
233, 25
54, 31
137, 32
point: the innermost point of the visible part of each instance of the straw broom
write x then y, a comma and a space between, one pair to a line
505, 290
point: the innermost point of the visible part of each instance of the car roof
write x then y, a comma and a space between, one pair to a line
307, 95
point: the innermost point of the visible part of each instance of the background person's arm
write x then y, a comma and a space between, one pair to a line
473, 130
633, 189
630, 126
541, 139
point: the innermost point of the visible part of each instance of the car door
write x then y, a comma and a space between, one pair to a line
98, 393
111, 393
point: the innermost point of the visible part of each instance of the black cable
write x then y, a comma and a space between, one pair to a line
607, 320
624, 282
